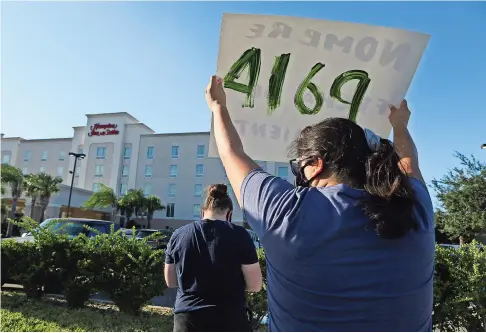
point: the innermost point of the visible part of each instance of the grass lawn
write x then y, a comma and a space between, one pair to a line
19, 314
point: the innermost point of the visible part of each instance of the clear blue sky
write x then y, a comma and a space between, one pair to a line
61, 60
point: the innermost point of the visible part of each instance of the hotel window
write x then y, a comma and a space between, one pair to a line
199, 170
148, 171
44, 155
173, 171
172, 190
123, 189
101, 152
80, 150
175, 151
230, 190
125, 170
62, 155
198, 190
99, 170
200, 151
170, 210
6, 159
147, 189
60, 171
127, 152
196, 210
42, 169
26, 155
283, 172
150, 153
76, 174
96, 187
24, 171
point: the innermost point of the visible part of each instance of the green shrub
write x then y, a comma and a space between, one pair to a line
75, 273
21, 262
60, 260
460, 288
127, 269
257, 302
60, 264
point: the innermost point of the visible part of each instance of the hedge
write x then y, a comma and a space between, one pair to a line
125, 268
131, 273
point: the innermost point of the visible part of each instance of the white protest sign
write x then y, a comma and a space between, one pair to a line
284, 73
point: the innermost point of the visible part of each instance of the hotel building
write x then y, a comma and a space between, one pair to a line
123, 153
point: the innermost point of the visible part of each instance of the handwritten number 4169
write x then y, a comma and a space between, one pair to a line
251, 58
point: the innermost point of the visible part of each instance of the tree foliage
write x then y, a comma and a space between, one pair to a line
32, 190
152, 203
13, 178
103, 198
462, 197
47, 186
460, 288
133, 202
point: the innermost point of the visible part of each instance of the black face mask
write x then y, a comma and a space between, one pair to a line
298, 172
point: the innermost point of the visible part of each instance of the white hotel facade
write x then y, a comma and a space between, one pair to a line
123, 153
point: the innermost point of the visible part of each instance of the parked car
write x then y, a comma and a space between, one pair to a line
160, 243
128, 232
72, 227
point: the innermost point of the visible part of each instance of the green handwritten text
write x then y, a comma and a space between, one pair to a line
318, 95
251, 59
276, 81
364, 82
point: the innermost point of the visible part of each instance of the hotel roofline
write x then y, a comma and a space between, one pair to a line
126, 114
22, 139
146, 135
176, 134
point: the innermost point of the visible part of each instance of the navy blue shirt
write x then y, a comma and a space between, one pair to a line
208, 256
327, 272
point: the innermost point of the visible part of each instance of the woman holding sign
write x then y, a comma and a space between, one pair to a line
351, 247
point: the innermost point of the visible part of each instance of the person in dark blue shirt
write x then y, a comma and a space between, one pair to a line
351, 247
212, 263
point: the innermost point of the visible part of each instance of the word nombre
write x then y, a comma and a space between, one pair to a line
251, 59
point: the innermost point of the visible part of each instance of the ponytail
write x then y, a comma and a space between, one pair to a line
391, 201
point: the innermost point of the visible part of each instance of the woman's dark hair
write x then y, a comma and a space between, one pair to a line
346, 155
218, 199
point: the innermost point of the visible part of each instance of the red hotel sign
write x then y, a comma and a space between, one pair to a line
103, 129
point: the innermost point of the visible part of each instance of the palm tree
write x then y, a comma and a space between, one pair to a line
152, 203
32, 191
47, 186
14, 179
104, 198
133, 201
